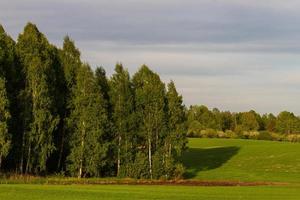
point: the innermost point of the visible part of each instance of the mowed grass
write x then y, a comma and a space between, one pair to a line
242, 160
123, 192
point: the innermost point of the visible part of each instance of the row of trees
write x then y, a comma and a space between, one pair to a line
201, 118
58, 115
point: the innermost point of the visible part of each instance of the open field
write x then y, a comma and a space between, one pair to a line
243, 160
117, 192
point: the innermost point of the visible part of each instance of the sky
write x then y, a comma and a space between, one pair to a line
235, 55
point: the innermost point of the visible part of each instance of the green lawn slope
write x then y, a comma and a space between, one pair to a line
242, 160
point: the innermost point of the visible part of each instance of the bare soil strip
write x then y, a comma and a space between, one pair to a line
169, 182
27, 179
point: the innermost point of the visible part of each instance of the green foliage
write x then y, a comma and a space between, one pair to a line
249, 122
36, 56
87, 120
150, 109
269, 121
122, 101
72, 119
287, 123
204, 116
175, 141
10, 71
70, 60
5, 138
244, 125
264, 135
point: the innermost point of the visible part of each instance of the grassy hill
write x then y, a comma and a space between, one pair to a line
242, 160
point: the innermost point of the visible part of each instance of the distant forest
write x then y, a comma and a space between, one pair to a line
58, 116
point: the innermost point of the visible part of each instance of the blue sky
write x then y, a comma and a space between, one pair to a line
231, 54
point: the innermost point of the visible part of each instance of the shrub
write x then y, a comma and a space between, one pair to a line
244, 134
254, 135
178, 171
264, 135
221, 134
194, 129
230, 134
209, 133
293, 138
277, 136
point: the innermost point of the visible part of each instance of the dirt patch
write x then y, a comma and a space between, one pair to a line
14, 179
170, 182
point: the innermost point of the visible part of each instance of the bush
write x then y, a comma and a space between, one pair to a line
178, 171
221, 134
277, 136
230, 134
254, 135
293, 138
139, 168
194, 129
209, 133
239, 133
264, 135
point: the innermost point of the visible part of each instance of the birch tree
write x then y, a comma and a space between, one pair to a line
88, 118
150, 111
121, 97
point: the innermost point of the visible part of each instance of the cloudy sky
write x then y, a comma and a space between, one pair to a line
232, 54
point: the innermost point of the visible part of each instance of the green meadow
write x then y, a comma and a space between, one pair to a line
242, 160
123, 192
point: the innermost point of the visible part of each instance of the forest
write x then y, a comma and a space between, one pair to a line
59, 115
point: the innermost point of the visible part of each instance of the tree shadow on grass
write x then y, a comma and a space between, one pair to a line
203, 159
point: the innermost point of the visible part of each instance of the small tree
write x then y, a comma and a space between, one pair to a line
175, 141
249, 121
287, 122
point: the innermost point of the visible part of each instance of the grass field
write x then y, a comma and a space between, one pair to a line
117, 192
242, 160
207, 159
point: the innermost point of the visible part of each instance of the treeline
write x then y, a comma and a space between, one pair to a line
203, 122
57, 115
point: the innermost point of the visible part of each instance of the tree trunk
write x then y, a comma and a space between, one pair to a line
81, 160
22, 153
28, 160
150, 156
126, 153
170, 150
119, 141
156, 129
82, 149
0, 162
61, 150
119, 152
